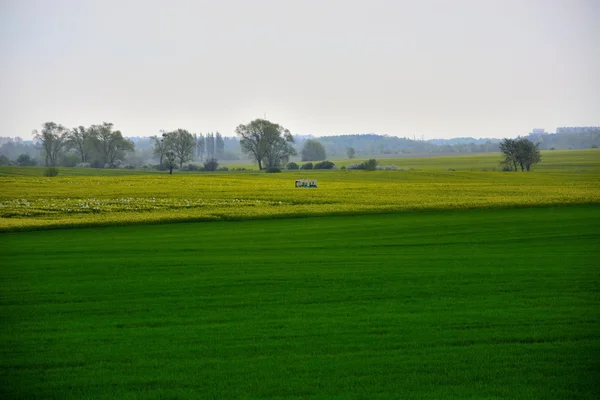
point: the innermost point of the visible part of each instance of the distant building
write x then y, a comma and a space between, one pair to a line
578, 129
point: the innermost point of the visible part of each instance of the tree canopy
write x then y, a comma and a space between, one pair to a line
53, 138
520, 152
313, 150
269, 144
110, 144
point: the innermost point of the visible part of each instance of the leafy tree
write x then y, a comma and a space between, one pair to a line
110, 144
521, 153
183, 144
313, 150
508, 147
351, 152
266, 142
528, 153
4, 160
80, 140
53, 138
292, 165
170, 157
25, 160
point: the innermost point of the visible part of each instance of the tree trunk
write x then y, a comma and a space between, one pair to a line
170, 169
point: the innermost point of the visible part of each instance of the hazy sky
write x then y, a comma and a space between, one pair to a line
426, 68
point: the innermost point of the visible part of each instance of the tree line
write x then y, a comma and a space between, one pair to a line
97, 144
268, 144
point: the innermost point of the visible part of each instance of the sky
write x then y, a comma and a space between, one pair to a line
426, 69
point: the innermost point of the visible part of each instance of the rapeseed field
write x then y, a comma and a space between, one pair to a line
35, 202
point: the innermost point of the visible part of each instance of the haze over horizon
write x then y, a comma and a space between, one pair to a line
431, 69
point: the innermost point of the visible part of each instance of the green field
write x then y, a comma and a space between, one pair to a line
469, 304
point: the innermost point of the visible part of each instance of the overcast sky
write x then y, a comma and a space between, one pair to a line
430, 68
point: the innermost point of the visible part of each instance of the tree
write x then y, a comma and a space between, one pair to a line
200, 146
520, 152
351, 152
53, 138
508, 147
160, 147
183, 144
266, 142
25, 160
219, 145
111, 145
80, 140
313, 150
210, 145
528, 153
170, 157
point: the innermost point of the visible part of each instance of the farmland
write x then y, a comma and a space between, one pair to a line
34, 202
443, 280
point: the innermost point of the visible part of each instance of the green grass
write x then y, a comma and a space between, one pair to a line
558, 160
459, 304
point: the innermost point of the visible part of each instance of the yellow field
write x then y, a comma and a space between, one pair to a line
28, 202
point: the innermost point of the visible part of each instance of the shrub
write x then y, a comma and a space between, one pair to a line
129, 166
355, 166
211, 165
83, 165
370, 165
97, 164
193, 167
307, 166
390, 167
222, 169
4, 160
324, 165
51, 171
272, 170
292, 165
343, 167
594, 146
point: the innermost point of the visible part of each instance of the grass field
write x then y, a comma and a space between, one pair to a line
33, 202
455, 304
